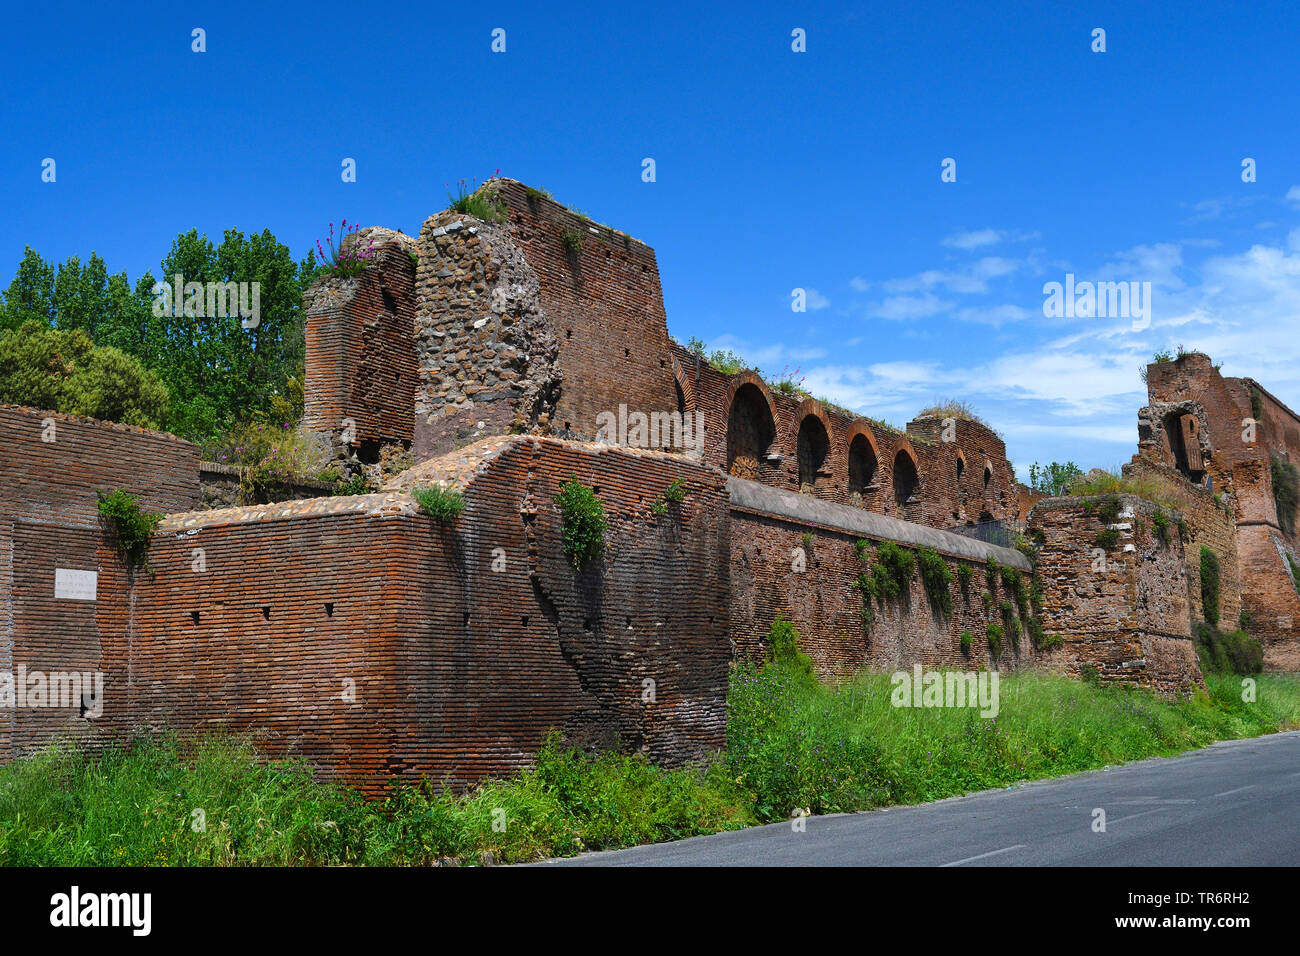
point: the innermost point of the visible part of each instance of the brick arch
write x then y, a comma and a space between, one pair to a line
863, 456
751, 425
904, 473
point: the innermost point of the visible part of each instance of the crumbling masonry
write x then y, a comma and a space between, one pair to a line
511, 357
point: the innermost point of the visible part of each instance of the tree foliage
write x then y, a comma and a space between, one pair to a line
217, 372
64, 371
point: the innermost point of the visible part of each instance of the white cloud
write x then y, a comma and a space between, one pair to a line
977, 238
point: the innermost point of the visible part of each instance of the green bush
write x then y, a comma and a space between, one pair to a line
1286, 492
783, 648
1230, 652
991, 569
583, 521
132, 527
64, 371
1107, 539
937, 577
484, 203
1209, 585
964, 574
966, 642
676, 491
1160, 521
993, 633
443, 504
895, 566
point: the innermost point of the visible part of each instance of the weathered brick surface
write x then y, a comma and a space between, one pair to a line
361, 346
1123, 611
863, 459
49, 519
459, 670
1238, 469
801, 562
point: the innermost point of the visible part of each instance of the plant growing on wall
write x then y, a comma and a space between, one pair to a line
583, 521
964, 575
966, 641
937, 577
1286, 492
783, 648
1209, 585
894, 568
1107, 538
573, 240
345, 262
1161, 523
443, 504
482, 202
991, 568
132, 527
993, 633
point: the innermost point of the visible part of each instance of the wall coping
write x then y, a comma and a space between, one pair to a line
759, 499
98, 422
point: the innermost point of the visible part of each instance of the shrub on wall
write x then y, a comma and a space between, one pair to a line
132, 527
937, 577
583, 520
964, 575
894, 568
1232, 652
994, 635
1107, 538
443, 504
783, 648
1209, 585
1286, 492
482, 202
966, 642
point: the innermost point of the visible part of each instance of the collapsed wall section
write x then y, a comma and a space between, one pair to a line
539, 323
1116, 591
361, 374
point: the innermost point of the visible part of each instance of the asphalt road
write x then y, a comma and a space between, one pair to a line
1235, 803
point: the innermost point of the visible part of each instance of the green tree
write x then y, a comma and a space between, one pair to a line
1053, 479
64, 371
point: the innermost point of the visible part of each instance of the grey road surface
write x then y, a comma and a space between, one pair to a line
1235, 803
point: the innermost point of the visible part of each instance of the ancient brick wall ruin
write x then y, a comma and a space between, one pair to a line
943, 473
361, 375
1121, 609
800, 560
51, 467
1225, 433
379, 643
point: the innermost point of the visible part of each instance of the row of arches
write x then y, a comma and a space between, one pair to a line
751, 436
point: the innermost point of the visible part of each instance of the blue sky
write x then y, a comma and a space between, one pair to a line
775, 170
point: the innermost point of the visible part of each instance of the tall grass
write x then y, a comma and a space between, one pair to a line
792, 742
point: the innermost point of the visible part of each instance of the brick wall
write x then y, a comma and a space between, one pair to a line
1238, 469
49, 519
1122, 610
361, 346
812, 583
859, 466
464, 644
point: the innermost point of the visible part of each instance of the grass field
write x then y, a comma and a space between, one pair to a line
792, 743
